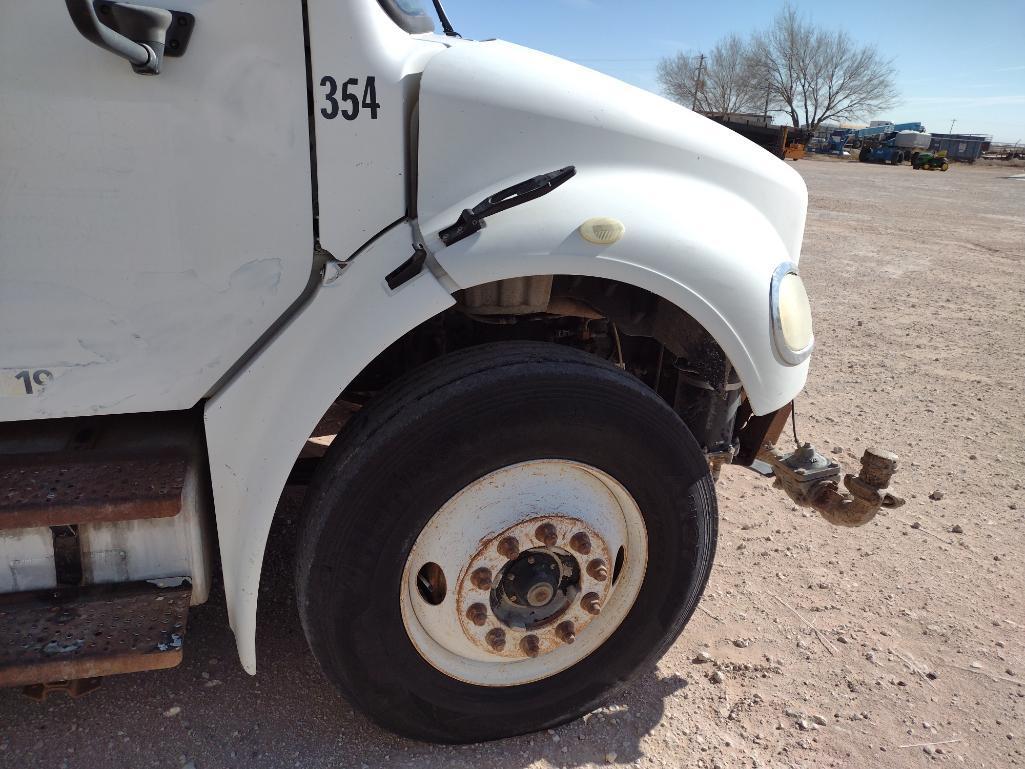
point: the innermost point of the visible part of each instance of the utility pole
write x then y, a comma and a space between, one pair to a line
697, 83
952, 126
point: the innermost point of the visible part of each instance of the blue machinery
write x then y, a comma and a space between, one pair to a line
838, 139
880, 130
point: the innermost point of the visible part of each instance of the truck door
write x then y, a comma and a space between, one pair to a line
152, 228
366, 75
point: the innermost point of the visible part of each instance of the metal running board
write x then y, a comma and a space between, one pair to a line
62, 488
85, 632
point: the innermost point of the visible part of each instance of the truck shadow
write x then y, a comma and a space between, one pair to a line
209, 713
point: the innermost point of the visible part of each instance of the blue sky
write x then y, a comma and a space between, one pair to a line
955, 60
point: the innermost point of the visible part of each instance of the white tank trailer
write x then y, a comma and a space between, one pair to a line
913, 140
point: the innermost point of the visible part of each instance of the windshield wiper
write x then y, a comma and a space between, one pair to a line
446, 25
472, 219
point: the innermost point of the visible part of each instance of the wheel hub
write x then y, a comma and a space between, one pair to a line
535, 599
535, 587
540, 594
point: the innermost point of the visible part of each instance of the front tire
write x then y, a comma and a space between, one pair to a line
524, 431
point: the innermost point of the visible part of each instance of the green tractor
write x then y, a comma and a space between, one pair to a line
929, 161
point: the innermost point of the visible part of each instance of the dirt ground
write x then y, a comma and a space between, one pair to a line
899, 644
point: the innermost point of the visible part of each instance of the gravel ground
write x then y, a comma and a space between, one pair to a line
899, 644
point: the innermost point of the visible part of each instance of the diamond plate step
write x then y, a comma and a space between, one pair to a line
59, 488
85, 632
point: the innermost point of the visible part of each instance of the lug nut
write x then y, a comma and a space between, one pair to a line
598, 570
481, 578
546, 533
530, 645
496, 639
566, 632
477, 614
509, 547
581, 543
591, 603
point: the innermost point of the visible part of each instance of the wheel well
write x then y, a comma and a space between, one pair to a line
637, 330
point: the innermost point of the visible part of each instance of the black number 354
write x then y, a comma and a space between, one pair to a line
352, 102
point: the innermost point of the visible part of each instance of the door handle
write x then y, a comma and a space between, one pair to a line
139, 33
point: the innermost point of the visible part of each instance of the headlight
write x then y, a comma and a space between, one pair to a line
791, 315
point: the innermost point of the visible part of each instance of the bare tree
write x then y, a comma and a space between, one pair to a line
815, 75
716, 83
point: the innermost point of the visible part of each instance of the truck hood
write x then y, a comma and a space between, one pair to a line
511, 112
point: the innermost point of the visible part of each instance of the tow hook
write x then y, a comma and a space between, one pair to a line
812, 480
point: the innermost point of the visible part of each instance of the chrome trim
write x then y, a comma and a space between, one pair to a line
793, 357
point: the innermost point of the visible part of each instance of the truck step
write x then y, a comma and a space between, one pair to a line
85, 632
71, 487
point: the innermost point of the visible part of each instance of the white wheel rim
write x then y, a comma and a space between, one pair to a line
464, 537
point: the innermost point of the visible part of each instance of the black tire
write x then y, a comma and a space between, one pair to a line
863, 155
443, 427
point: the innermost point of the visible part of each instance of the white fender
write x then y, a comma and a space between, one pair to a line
257, 424
678, 256
708, 215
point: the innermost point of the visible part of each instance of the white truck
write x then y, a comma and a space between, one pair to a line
549, 306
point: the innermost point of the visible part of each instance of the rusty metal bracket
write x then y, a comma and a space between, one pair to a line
754, 432
716, 459
75, 688
812, 480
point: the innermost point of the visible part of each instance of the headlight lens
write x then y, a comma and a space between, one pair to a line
791, 315
794, 312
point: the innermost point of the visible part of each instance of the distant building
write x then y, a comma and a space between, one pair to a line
747, 118
756, 127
